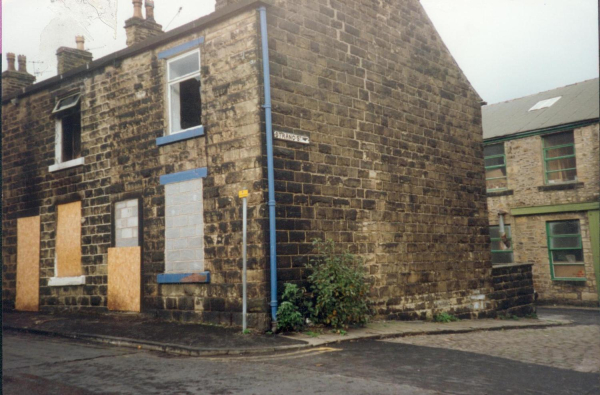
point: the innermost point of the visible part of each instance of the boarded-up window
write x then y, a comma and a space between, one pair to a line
28, 264
184, 227
127, 223
68, 240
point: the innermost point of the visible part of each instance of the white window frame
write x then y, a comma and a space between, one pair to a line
58, 137
178, 80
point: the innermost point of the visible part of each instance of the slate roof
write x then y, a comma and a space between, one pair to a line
579, 102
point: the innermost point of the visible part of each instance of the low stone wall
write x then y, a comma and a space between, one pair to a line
513, 289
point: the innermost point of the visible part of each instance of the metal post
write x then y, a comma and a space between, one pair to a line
244, 242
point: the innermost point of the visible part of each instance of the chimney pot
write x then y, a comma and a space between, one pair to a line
10, 58
22, 63
137, 9
80, 40
150, 10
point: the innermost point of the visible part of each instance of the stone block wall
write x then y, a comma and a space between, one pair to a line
393, 171
123, 113
513, 289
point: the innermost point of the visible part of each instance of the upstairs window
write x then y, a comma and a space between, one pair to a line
565, 250
184, 92
495, 167
502, 251
68, 129
559, 158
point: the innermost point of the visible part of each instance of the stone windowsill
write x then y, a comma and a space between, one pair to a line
511, 265
574, 279
184, 278
65, 281
180, 136
504, 192
66, 165
560, 187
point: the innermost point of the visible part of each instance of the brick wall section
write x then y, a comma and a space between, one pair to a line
123, 112
525, 171
513, 289
393, 169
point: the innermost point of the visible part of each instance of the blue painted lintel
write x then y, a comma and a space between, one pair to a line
184, 278
173, 138
184, 176
180, 48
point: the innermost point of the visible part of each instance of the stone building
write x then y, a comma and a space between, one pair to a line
121, 175
542, 170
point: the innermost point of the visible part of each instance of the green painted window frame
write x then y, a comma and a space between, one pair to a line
550, 250
503, 156
546, 159
508, 232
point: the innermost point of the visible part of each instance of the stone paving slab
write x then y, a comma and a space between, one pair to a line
391, 329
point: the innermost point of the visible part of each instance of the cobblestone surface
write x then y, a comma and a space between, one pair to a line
573, 347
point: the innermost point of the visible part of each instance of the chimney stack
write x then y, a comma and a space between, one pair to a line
80, 40
150, 10
224, 3
14, 81
137, 28
10, 58
22, 63
71, 58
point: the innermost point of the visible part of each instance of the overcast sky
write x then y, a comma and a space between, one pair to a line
507, 48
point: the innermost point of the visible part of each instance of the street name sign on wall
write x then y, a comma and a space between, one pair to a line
296, 138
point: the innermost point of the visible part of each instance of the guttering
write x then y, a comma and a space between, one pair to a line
529, 133
270, 171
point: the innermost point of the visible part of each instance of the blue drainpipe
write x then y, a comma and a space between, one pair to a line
270, 171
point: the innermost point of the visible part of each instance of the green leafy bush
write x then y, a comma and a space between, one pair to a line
445, 317
289, 314
339, 287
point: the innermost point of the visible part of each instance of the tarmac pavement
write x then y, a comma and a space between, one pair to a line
143, 332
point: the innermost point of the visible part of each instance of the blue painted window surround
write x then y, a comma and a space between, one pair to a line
189, 79
187, 175
173, 138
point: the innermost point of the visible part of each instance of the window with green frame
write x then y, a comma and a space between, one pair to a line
559, 158
495, 167
502, 251
565, 250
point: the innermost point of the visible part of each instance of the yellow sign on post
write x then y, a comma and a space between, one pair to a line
243, 193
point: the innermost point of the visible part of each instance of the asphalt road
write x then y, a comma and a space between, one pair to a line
41, 365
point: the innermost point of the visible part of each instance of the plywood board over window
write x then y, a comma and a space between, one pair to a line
124, 279
68, 240
28, 264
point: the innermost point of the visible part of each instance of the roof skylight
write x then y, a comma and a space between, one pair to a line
545, 103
